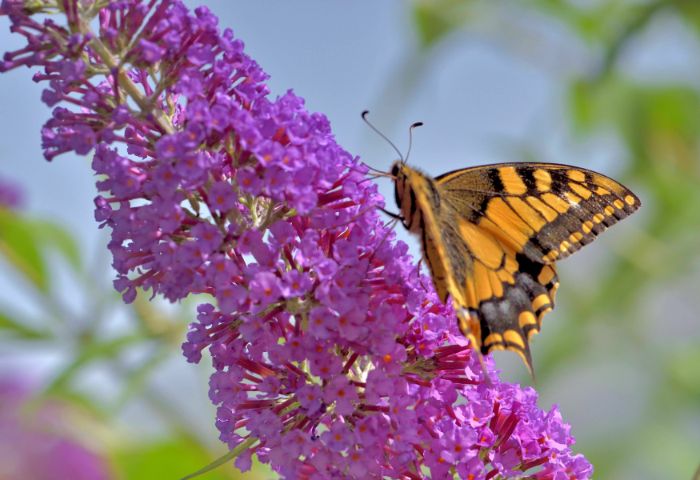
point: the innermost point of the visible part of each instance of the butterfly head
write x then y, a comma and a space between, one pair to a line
400, 173
397, 169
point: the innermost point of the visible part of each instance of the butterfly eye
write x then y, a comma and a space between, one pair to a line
395, 170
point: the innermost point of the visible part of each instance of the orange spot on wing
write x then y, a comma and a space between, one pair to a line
511, 336
507, 222
609, 184
553, 291
505, 277
580, 190
493, 340
547, 212
576, 175
528, 213
559, 204
526, 318
539, 301
572, 197
481, 244
575, 237
551, 256
512, 183
546, 275
496, 284
482, 284
543, 180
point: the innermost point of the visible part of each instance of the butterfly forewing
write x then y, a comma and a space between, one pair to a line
546, 211
490, 235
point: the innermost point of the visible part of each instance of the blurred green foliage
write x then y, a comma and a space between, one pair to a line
658, 122
91, 340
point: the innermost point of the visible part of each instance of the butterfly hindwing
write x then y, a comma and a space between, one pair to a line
491, 234
510, 317
510, 293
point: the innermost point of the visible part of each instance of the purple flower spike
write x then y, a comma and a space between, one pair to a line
333, 356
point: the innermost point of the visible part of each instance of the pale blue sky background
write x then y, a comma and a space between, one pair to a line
481, 100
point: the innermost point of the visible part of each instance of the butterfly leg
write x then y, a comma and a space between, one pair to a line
393, 215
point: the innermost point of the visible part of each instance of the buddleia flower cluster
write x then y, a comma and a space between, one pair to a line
332, 356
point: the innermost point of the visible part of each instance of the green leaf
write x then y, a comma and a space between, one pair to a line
87, 404
89, 354
683, 369
173, 459
136, 379
57, 237
21, 248
435, 19
690, 13
222, 460
670, 447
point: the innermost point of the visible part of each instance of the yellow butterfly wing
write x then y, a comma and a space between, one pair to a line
490, 235
546, 211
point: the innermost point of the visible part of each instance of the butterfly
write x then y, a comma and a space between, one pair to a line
491, 235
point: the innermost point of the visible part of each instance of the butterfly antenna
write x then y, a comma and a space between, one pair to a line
410, 138
376, 130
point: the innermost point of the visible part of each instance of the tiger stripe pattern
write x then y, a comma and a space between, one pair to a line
491, 236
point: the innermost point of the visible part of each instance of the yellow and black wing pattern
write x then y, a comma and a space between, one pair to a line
491, 234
